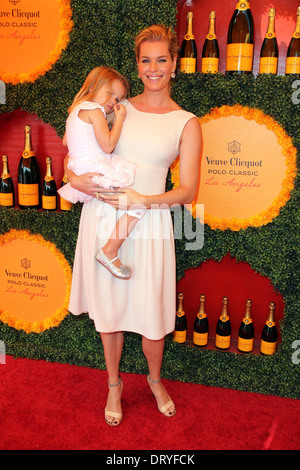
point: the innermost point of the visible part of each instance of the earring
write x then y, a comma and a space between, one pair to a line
173, 75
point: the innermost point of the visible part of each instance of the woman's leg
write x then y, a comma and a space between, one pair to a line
113, 346
153, 351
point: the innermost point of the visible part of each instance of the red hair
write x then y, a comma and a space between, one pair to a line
97, 78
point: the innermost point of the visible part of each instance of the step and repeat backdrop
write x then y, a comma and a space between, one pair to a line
238, 239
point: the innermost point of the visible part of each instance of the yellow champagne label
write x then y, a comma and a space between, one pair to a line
180, 313
245, 344
27, 154
222, 342
189, 36
28, 194
65, 205
4, 176
200, 339
270, 323
49, 178
187, 65
179, 336
239, 57
201, 315
268, 348
293, 65
211, 36
49, 202
6, 199
224, 318
268, 65
210, 64
243, 5
270, 35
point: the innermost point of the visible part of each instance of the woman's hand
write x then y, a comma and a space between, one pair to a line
123, 198
82, 183
85, 184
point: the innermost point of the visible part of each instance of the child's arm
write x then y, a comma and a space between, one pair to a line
107, 139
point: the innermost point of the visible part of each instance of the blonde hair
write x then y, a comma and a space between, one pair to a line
157, 32
97, 78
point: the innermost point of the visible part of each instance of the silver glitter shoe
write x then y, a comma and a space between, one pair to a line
123, 272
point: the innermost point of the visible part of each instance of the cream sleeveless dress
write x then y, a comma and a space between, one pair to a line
146, 303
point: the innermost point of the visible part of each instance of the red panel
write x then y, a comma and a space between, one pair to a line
45, 141
285, 25
235, 280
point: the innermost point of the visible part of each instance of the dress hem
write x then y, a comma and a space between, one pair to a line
124, 331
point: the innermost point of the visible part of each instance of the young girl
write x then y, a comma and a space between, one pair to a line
90, 145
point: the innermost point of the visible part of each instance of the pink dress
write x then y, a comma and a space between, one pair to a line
87, 156
146, 303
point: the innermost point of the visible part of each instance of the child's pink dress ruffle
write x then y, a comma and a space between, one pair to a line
116, 173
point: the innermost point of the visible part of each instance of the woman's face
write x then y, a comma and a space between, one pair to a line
155, 64
107, 96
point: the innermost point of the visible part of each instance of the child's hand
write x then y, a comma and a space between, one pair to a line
120, 111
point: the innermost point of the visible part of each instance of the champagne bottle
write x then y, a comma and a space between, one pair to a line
269, 333
210, 52
240, 42
180, 331
64, 204
6, 185
28, 176
49, 193
269, 50
200, 334
293, 53
246, 331
188, 51
223, 331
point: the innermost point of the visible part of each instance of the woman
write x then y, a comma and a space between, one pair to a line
155, 130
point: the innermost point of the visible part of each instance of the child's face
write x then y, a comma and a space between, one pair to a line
107, 96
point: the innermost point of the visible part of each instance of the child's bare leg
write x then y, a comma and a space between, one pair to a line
123, 228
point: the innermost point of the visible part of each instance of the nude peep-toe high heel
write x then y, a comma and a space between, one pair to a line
114, 414
166, 406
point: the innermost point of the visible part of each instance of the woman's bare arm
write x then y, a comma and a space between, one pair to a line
82, 183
